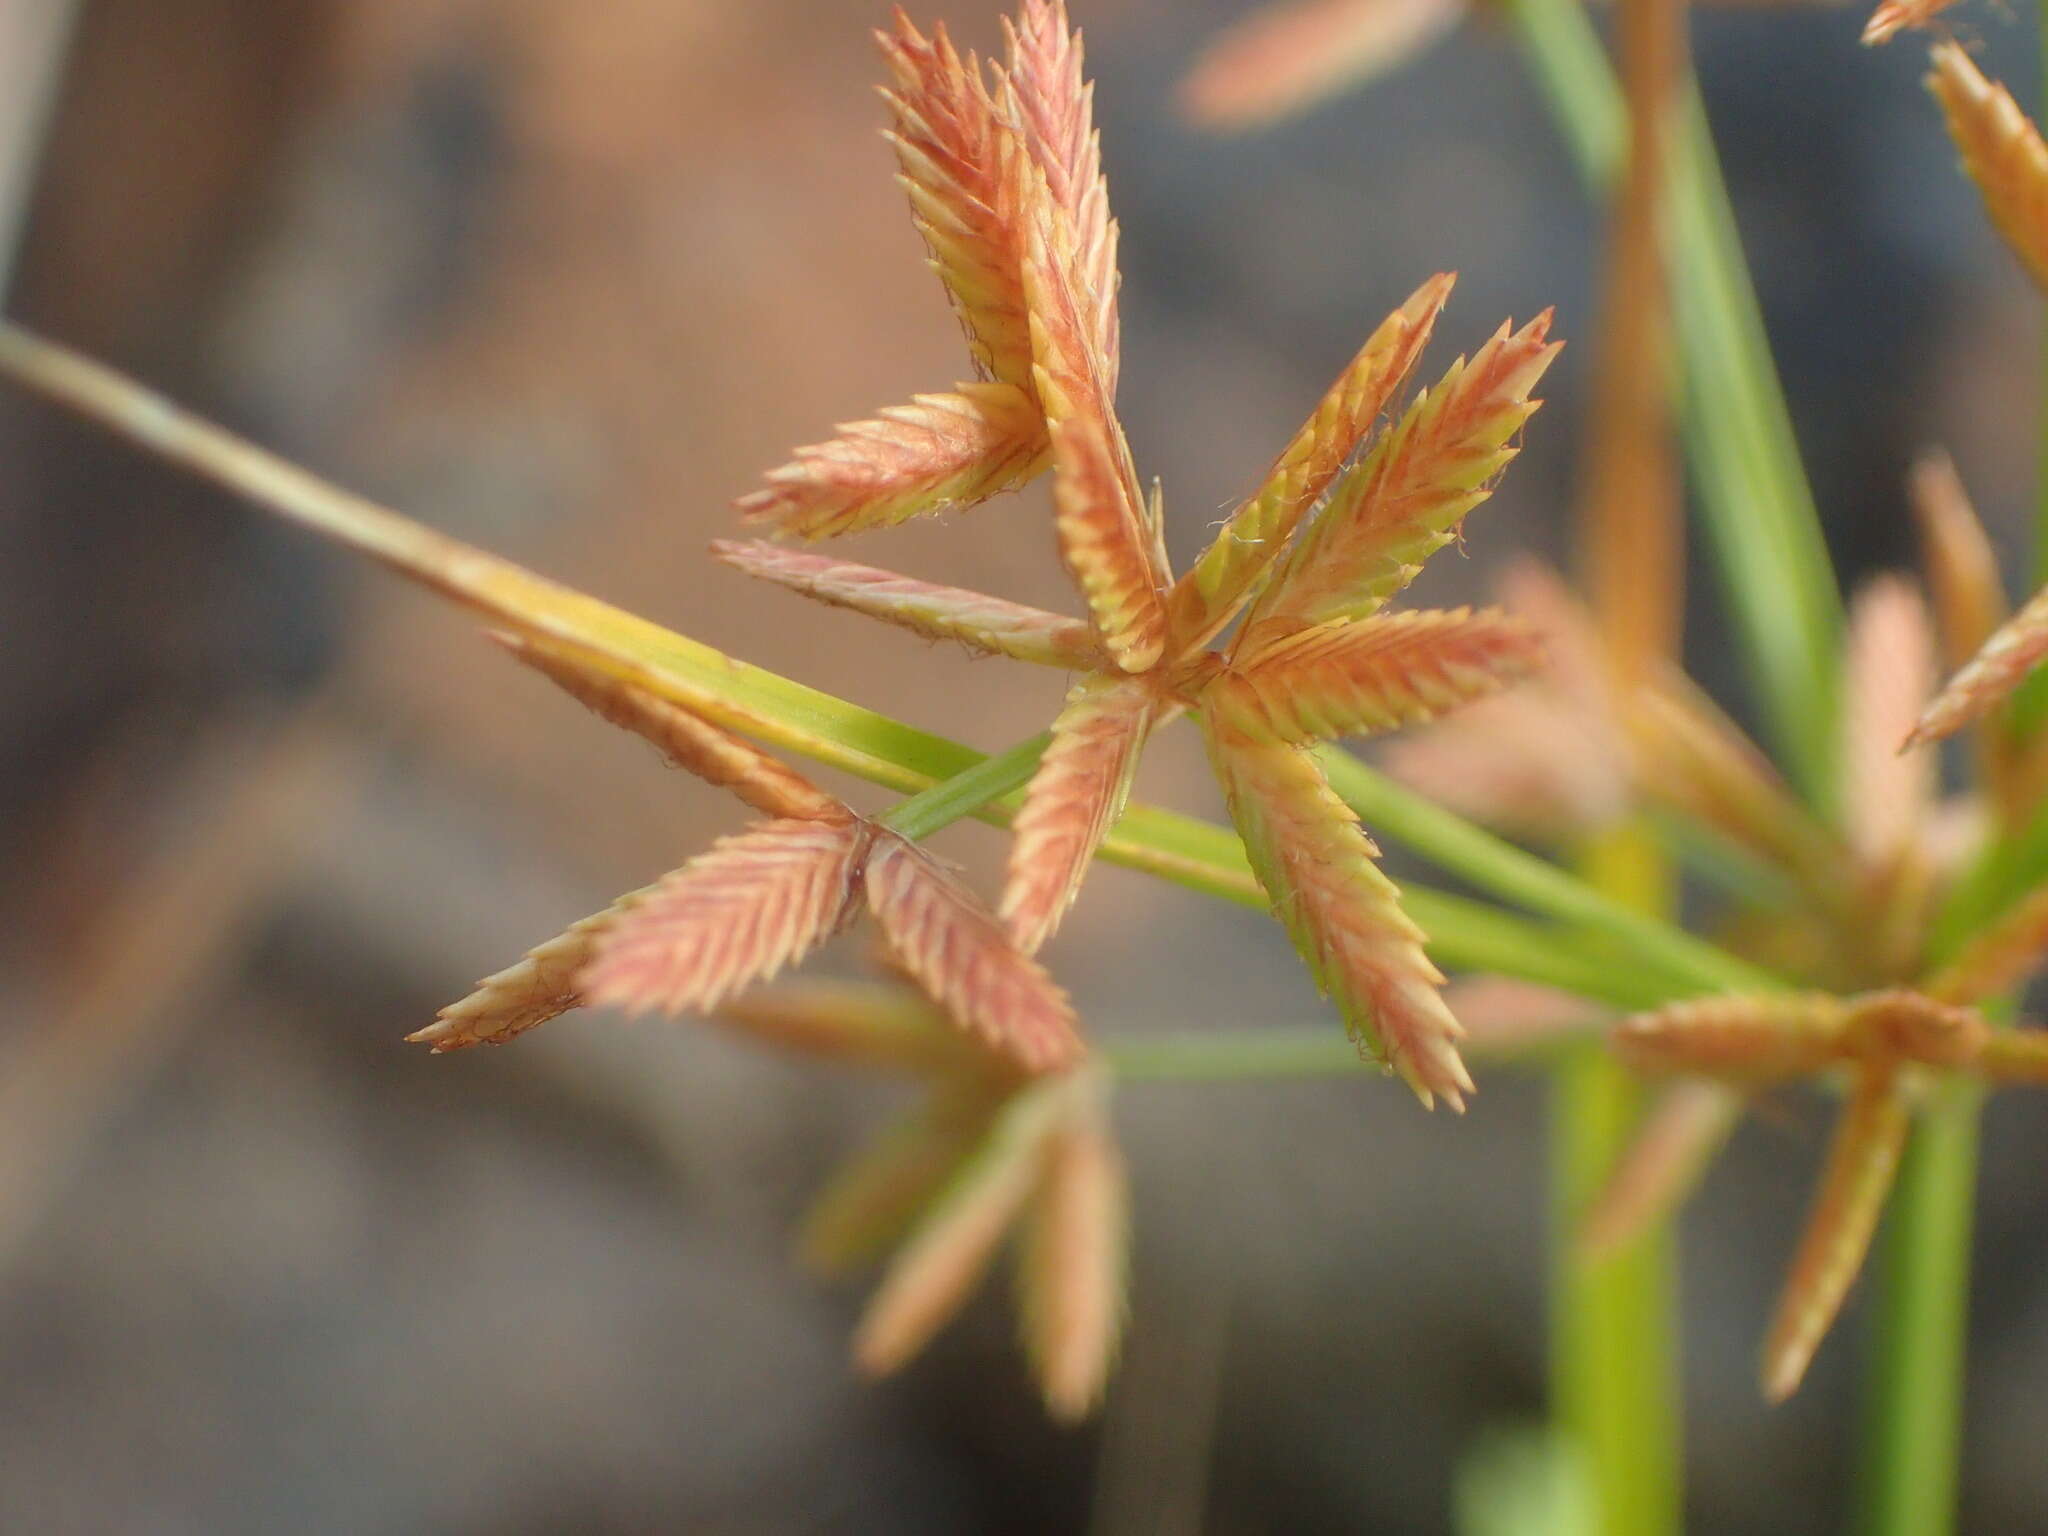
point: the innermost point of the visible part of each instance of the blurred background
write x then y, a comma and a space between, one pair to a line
564, 279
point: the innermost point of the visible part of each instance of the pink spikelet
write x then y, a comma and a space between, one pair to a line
1996, 670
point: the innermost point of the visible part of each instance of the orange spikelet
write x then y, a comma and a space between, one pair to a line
1074, 798
1284, 57
1405, 501
956, 1237
1748, 1039
957, 952
939, 453
862, 1023
1245, 550
1106, 535
1505, 1018
1997, 669
1662, 1165
869, 1205
2000, 957
1054, 106
1962, 568
736, 914
1862, 1161
1912, 1026
1073, 1264
950, 144
980, 622
2015, 1056
1344, 915
1895, 16
2002, 153
541, 986
1888, 677
1350, 677
688, 741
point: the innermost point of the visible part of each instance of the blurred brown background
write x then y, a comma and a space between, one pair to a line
564, 279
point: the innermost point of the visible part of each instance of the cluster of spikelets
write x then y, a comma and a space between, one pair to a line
1849, 907
1002, 167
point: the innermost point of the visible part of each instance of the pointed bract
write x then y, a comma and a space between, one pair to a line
1074, 798
950, 144
1287, 56
541, 986
688, 741
959, 954
1072, 1269
939, 453
1888, 677
1405, 501
1344, 915
2002, 152
1353, 677
736, 914
988, 624
1746, 1039
1862, 1161
1992, 674
1662, 1164
1244, 552
951, 1246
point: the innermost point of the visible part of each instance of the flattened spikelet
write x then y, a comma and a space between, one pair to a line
1073, 1265
864, 1023
1344, 915
939, 453
1079, 790
2002, 152
2000, 957
1231, 569
540, 987
1888, 677
959, 954
949, 143
1106, 535
1962, 569
1406, 500
1862, 1161
688, 741
1054, 105
1662, 1165
1983, 684
736, 914
956, 1237
871, 1203
1350, 677
980, 622
1895, 16
1287, 56
1748, 1039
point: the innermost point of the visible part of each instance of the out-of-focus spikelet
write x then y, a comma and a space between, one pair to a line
1748, 1039
938, 453
2015, 1056
1350, 677
1079, 790
1284, 57
1999, 957
950, 146
539, 987
957, 951
869, 1204
1910, 1025
1895, 16
1862, 1160
736, 914
712, 753
863, 1023
953, 1241
1962, 568
1662, 1165
1992, 674
1505, 1017
2002, 152
1105, 532
1405, 501
1344, 915
983, 623
1054, 105
1888, 677
1073, 1264
1250, 544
